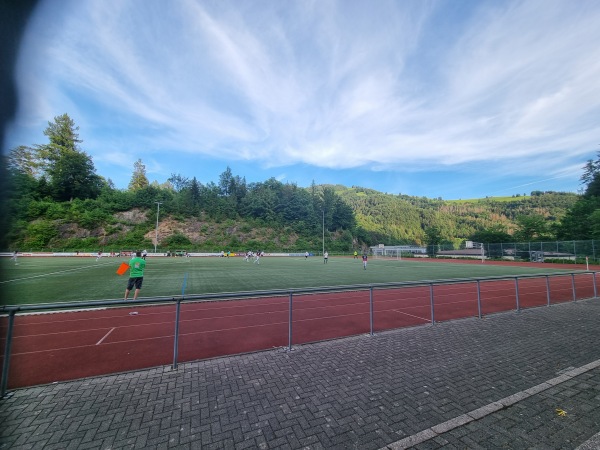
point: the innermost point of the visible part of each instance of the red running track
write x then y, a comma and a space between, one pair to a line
70, 345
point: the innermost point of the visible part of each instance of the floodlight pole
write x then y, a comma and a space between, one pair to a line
323, 231
157, 213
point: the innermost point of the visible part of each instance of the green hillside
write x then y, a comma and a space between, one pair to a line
55, 200
403, 219
291, 219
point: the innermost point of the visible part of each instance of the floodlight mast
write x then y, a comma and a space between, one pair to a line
157, 213
323, 231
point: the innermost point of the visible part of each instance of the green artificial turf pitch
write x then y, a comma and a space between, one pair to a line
66, 279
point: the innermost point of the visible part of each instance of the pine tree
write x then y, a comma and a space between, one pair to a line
138, 179
70, 171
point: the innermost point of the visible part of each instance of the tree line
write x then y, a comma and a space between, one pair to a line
51, 187
57, 181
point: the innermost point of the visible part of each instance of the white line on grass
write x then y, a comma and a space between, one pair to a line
54, 273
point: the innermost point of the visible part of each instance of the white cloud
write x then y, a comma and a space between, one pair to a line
333, 84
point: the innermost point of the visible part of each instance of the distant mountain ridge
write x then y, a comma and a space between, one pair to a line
390, 218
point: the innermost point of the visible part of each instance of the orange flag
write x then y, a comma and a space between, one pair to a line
122, 268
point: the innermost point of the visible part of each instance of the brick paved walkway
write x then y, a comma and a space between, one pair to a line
498, 382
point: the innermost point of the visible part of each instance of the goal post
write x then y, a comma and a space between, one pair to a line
476, 246
395, 252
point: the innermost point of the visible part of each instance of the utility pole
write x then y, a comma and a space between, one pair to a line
323, 210
157, 213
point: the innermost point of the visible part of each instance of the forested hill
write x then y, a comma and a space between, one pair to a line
271, 216
391, 218
55, 200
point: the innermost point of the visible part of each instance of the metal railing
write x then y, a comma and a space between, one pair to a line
12, 310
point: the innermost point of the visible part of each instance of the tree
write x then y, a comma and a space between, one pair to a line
260, 202
531, 228
138, 179
433, 237
492, 235
594, 219
70, 171
63, 136
344, 216
195, 195
179, 182
329, 199
581, 221
234, 189
591, 177
24, 159
73, 176
19, 189
209, 198
590, 170
226, 182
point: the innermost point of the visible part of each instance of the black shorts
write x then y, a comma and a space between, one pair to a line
137, 282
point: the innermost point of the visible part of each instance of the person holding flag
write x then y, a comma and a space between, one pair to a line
136, 275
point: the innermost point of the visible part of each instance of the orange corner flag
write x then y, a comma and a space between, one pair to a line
122, 268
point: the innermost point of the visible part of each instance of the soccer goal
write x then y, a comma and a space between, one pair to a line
397, 251
470, 245
387, 253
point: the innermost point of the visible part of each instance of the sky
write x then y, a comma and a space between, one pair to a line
452, 99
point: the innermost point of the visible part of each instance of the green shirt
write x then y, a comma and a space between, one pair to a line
136, 267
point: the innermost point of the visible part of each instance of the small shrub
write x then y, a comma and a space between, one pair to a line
39, 234
176, 240
245, 228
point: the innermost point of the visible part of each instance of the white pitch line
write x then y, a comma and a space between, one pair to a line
53, 273
105, 336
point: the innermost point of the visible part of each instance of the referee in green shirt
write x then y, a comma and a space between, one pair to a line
137, 264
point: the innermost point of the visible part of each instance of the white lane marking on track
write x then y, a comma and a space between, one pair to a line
105, 336
412, 315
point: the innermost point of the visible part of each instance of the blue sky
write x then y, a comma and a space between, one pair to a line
447, 98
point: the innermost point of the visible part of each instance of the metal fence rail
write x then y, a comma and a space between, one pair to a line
11, 311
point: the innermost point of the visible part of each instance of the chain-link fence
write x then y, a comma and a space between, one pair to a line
527, 251
576, 251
